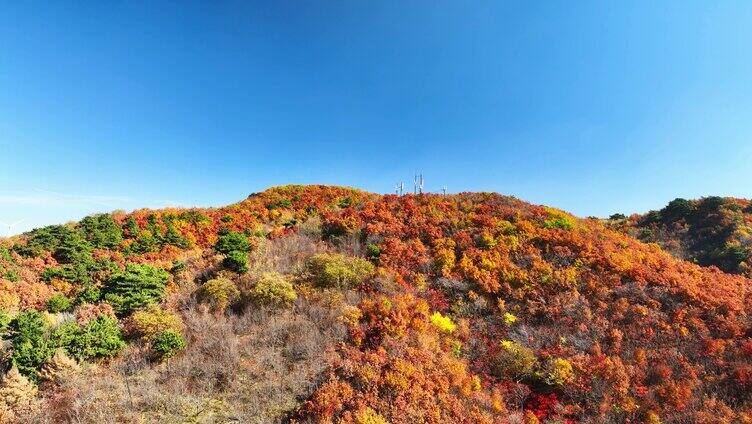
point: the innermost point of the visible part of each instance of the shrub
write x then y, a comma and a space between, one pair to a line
558, 372
167, 344
11, 275
730, 256
5, 320
5, 254
509, 319
31, 348
487, 241
515, 361
652, 418
369, 416
220, 292
101, 231
335, 270
281, 203
443, 323
558, 220
89, 293
135, 287
178, 267
231, 241
373, 252
562, 223
339, 227
273, 289
58, 303
236, 261
150, 322
345, 202
9, 301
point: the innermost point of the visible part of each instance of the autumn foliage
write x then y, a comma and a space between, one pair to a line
468, 308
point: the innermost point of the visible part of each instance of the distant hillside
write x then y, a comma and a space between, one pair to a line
709, 231
332, 305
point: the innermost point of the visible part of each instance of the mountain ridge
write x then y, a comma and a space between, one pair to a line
711, 231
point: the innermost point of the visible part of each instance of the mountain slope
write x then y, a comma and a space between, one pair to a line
712, 231
329, 304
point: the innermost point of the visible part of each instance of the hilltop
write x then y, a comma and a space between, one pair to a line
331, 304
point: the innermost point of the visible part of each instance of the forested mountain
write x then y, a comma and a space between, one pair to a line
333, 305
712, 231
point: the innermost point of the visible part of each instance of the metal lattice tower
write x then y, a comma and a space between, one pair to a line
418, 183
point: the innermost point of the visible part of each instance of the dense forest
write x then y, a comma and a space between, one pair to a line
332, 305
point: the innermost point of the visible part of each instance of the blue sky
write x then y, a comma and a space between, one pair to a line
594, 107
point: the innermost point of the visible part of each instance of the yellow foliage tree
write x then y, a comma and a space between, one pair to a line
369, 416
509, 319
443, 323
17, 396
220, 292
150, 322
58, 368
515, 361
273, 289
558, 372
338, 271
652, 418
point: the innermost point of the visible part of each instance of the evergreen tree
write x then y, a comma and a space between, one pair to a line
131, 227
101, 231
230, 241
31, 347
137, 286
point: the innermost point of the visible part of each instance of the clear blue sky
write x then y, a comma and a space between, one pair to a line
594, 107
